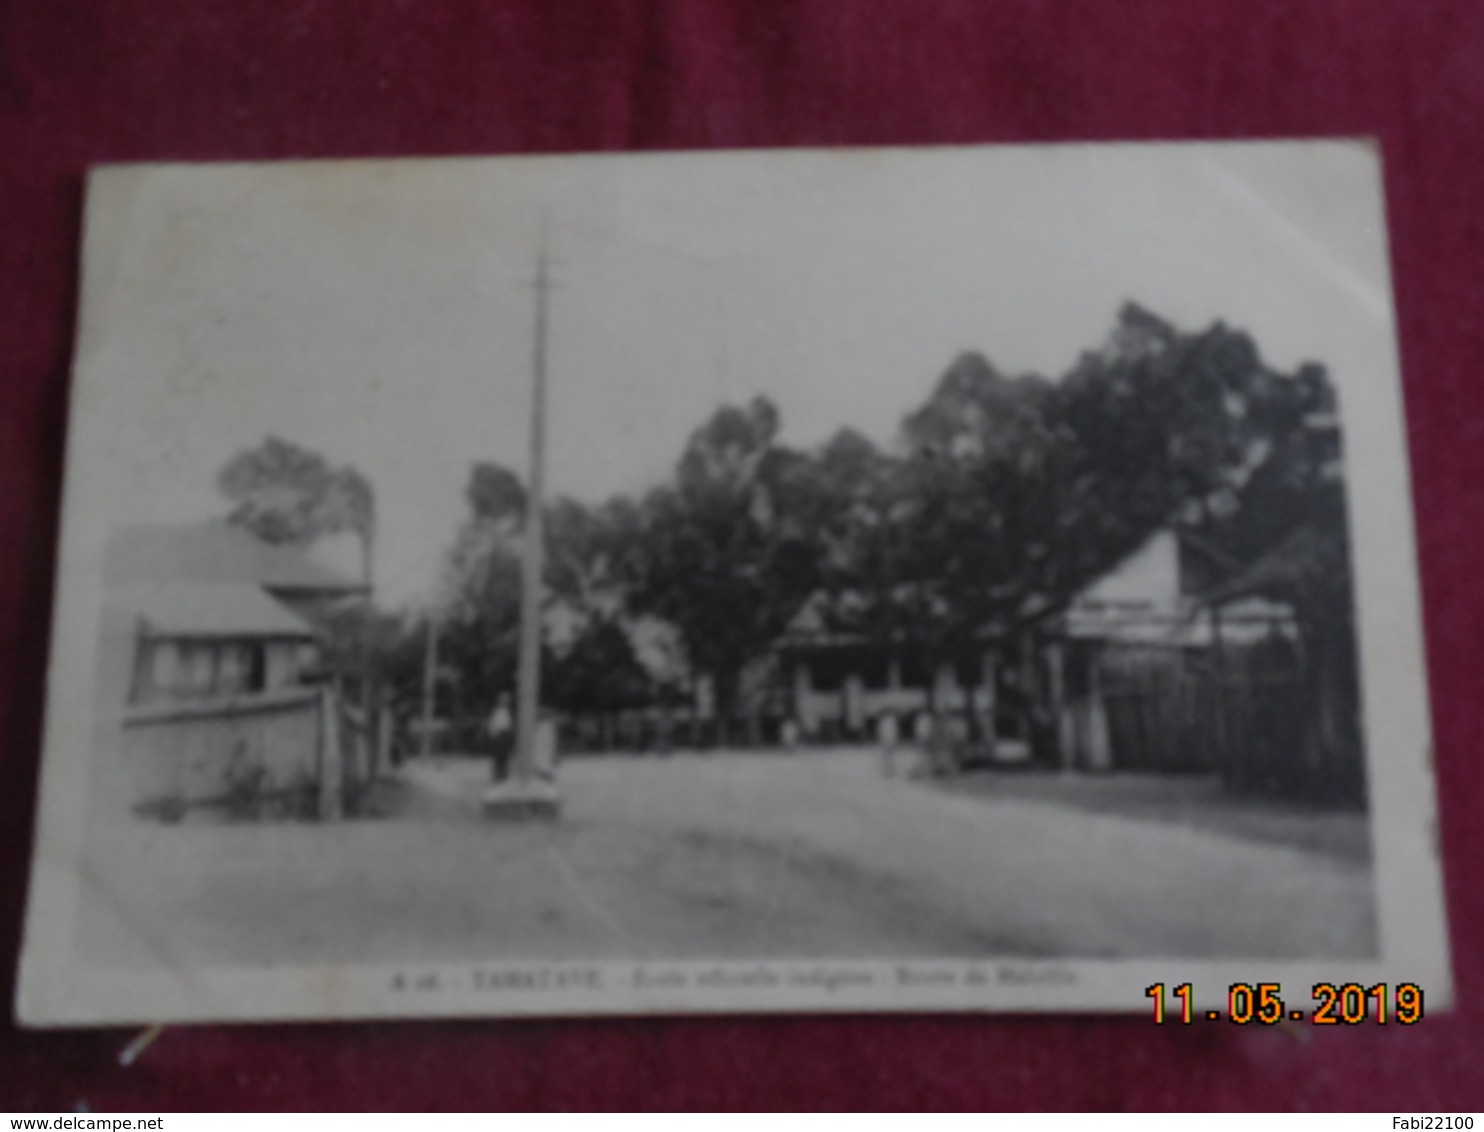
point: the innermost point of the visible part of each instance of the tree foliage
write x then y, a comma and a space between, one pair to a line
1000, 499
598, 672
284, 493
478, 606
496, 495
725, 552
1015, 493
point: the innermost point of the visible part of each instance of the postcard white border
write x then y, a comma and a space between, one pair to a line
54, 991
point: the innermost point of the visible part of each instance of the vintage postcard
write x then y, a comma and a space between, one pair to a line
900, 580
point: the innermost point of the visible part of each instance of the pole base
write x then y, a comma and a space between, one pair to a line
536, 800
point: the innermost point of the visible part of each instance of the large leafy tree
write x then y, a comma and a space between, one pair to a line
478, 606
1009, 495
936, 541
975, 507
496, 497
1196, 430
593, 667
598, 672
724, 552
1152, 429
586, 552
583, 599
285, 493
842, 497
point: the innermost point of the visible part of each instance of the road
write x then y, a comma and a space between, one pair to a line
719, 857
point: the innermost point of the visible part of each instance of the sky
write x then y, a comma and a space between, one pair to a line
382, 313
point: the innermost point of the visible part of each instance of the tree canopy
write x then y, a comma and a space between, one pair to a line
284, 493
999, 500
725, 552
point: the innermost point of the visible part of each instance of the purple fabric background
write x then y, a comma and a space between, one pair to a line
84, 81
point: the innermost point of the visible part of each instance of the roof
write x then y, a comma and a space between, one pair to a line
1146, 577
215, 553
1306, 557
1142, 586
188, 609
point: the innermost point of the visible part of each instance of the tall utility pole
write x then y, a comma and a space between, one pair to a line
528, 691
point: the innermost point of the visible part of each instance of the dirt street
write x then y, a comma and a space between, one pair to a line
694, 856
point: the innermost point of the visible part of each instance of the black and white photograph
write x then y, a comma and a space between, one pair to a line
939, 579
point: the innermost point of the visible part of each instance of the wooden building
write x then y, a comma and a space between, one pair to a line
1125, 678
207, 636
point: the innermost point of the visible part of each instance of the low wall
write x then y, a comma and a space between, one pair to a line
193, 754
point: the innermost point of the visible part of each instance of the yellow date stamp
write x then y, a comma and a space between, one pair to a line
1263, 1004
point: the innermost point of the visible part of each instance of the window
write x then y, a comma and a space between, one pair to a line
234, 668
183, 669
198, 669
284, 662
163, 668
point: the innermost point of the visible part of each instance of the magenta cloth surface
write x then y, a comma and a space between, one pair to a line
87, 81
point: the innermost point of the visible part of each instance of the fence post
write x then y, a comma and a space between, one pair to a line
382, 758
331, 759
1062, 728
1099, 747
1232, 772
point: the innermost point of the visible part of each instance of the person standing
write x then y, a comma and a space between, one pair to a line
501, 730
887, 739
789, 733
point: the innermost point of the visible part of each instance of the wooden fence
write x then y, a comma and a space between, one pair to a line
1246, 711
295, 752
